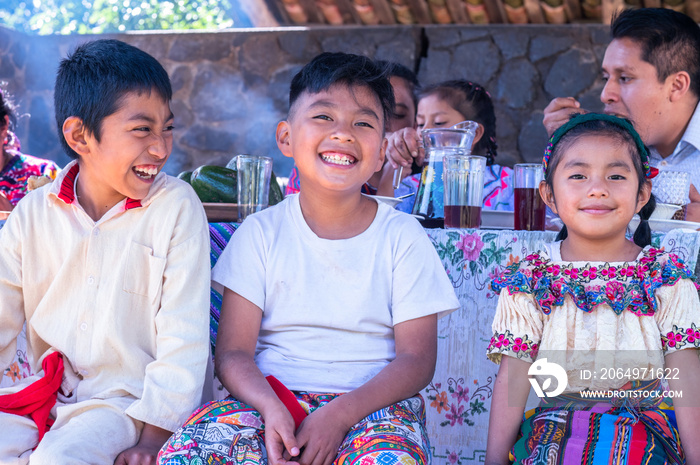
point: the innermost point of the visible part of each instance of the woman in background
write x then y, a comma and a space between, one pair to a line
16, 167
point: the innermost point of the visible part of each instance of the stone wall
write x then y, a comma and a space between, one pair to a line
230, 87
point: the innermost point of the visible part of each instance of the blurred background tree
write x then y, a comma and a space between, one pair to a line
110, 16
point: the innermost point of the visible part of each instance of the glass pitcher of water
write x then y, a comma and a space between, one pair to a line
438, 143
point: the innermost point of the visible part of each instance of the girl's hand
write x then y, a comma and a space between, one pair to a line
404, 145
279, 435
321, 434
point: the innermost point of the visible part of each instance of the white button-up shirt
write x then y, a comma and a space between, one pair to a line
686, 155
124, 299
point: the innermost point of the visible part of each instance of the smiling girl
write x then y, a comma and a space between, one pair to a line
443, 105
619, 317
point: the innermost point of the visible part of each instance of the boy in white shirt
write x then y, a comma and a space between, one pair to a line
332, 293
109, 267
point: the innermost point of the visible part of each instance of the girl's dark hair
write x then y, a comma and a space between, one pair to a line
6, 109
604, 127
474, 102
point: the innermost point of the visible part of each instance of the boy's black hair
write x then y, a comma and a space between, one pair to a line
92, 81
398, 70
642, 235
475, 104
670, 40
328, 69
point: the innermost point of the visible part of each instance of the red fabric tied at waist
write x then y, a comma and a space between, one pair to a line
37, 399
288, 399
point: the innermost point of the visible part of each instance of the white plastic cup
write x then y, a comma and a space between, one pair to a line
253, 184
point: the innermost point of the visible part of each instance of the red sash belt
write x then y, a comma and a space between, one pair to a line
288, 399
37, 399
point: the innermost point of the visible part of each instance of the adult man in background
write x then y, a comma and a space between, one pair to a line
651, 71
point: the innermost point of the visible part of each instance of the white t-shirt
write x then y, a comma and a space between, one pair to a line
329, 306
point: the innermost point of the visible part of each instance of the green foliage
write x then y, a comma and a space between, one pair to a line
113, 16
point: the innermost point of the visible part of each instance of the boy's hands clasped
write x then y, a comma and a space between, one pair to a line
316, 442
280, 441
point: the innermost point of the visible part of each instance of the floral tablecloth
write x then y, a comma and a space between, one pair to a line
459, 396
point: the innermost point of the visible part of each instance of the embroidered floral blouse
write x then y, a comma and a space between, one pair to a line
616, 320
13, 177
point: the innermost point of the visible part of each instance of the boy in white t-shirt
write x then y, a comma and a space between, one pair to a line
332, 293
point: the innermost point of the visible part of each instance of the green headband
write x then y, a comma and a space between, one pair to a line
582, 118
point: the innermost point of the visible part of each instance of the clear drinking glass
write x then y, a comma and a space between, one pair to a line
529, 207
438, 143
464, 190
253, 183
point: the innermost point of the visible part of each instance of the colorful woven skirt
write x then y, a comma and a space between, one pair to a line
626, 431
231, 432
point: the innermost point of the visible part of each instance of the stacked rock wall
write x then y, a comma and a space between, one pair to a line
230, 87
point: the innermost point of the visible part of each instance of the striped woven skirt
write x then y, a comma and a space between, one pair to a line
625, 431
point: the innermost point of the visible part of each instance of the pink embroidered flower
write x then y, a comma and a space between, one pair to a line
452, 457
471, 245
615, 291
461, 394
610, 272
673, 339
690, 334
572, 273
519, 345
553, 270
500, 342
534, 348
455, 415
641, 270
627, 271
590, 273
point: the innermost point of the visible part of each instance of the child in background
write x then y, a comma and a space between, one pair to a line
441, 106
332, 292
404, 84
16, 167
109, 267
597, 301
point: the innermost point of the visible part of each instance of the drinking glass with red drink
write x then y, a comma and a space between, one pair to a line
438, 144
464, 190
529, 207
